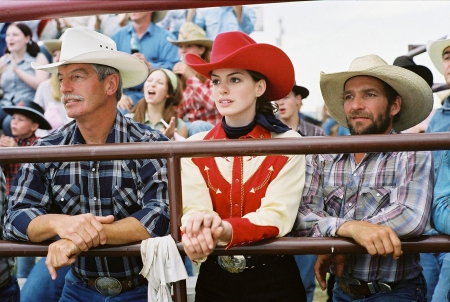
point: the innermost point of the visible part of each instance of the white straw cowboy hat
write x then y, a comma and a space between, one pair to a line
193, 34
416, 94
83, 45
435, 50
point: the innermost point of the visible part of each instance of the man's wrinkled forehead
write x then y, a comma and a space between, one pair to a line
70, 68
364, 76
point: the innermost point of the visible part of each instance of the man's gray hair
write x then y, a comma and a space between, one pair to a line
103, 71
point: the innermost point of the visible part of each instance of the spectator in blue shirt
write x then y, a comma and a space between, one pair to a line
91, 203
215, 20
437, 265
152, 48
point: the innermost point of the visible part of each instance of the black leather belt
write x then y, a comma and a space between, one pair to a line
364, 289
110, 286
6, 281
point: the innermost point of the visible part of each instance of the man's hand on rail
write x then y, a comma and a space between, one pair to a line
60, 253
322, 266
377, 239
85, 230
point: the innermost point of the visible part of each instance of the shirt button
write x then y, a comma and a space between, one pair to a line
236, 180
350, 204
354, 174
378, 194
95, 198
236, 205
93, 169
62, 199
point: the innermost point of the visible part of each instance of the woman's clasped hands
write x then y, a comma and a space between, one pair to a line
202, 232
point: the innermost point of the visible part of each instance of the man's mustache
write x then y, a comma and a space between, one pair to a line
359, 113
70, 96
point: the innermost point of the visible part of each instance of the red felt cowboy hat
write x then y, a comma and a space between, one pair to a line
235, 49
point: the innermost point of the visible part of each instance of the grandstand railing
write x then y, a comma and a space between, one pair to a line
174, 151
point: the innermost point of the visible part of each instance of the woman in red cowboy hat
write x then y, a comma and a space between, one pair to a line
233, 201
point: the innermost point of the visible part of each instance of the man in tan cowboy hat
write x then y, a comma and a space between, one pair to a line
436, 265
374, 198
149, 44
91, 203
198, 106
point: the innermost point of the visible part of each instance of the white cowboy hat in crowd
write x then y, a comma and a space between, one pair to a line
416, 94
435, 50
83, 45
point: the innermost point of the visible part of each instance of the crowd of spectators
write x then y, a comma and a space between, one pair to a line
174, 99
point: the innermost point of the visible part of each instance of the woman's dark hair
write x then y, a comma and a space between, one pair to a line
263, 106
32, 47
170, 106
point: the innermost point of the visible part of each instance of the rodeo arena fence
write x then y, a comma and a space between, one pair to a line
174, 151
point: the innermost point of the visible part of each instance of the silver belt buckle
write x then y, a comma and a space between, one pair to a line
384, 288
108, 286
232, 264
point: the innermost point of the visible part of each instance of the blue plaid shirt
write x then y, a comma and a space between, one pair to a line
123, 188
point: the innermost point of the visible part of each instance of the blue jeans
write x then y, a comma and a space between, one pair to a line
40, 286
404, 291
198, 126
24, 266
188, 266
436, 270
77, 290
11, 291
305, 264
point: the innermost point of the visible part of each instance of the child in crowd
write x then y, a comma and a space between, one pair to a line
162, 95
26, 119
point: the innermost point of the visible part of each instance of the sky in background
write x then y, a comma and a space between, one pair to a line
327, 35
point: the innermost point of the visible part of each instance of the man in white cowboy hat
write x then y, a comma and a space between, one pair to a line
437, 265
374, 198
91, 203
152, 48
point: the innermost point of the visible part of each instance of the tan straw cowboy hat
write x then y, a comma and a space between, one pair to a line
416, 94
52, 45
435, 50
82, 45
193, 34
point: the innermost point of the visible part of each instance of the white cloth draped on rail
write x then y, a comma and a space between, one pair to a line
163, 265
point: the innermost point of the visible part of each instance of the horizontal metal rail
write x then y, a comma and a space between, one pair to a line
286, 245
305, 145
13, 11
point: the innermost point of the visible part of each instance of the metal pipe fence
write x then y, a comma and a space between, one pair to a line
174, 151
